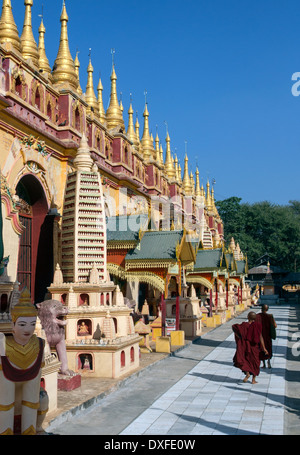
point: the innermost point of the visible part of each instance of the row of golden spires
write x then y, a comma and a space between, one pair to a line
65, 74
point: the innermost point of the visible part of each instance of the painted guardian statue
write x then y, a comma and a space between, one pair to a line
22, 359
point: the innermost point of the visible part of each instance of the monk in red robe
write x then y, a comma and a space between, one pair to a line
266, 320
249, 342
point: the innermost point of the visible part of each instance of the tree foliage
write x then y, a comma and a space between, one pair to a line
263, 227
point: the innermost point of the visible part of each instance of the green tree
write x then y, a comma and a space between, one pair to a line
263, 227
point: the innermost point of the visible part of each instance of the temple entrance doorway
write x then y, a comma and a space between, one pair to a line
35, 260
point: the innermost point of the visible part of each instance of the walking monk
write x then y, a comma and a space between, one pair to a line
266, 321
249, 342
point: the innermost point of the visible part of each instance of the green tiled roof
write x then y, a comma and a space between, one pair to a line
208, 259
125, 227
156, 245
230, 261
241, 267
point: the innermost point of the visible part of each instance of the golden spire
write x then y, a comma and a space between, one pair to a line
157, 142
213, 201
147, 143
192, 183
64, 71
161, 152
121, 104
169, 168
208, 197
137, 132
179, 173
158, 151
197, 189
176, 170
77, 66
102, 114
90, 97
44, 66
186, 182
202, 191
114, 115
8, 29
131, 131
28, 44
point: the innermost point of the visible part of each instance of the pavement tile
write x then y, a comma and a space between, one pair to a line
211, 399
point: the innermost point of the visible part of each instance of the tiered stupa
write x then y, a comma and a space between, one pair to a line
100, 336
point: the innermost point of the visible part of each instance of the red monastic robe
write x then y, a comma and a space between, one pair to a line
265, 320
247, 356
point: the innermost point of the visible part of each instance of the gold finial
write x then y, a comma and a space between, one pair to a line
161, 154
8, 29
208, 197
114, 115
176, 169
213, 200
28, 44
156, 141
44, 66
77, 66
130, 130
197, 189
102, 114
186, 182
121, 104
179, 173
137, 131
146, 142
169, 168
192, 183
158, 155
90, 97
64, 71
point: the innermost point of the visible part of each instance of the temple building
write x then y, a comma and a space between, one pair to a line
84, 190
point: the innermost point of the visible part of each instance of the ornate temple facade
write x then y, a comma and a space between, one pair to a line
104, 210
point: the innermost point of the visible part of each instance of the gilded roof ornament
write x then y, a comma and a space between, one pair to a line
146, 141
44, 65
28, 45
90, 97
102, 114
137, 128
197, 189
8, 29
130, 130
64, 71
114, 115
179, 173
169, 167
77, 66
208, 202
186, 182
176, 169
192, 183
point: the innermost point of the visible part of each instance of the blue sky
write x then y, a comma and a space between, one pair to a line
217, 71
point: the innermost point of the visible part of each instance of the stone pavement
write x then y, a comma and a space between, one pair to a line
197, 391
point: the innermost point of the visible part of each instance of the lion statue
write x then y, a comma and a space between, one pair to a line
52, 316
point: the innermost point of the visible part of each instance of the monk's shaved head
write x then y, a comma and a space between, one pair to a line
251, 316
264, 307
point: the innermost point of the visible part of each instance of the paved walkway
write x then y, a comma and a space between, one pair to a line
199, 392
